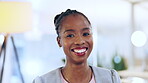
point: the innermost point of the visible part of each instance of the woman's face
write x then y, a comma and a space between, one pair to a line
75, 38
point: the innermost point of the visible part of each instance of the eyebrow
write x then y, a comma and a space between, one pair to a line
71, 30
86, 29
68, 30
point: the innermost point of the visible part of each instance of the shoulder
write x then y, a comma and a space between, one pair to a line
115, 76
104, 70
106, 75
50, 77
51, 74
101, 71
98, 71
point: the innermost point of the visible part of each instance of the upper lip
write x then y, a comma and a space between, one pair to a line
79, 48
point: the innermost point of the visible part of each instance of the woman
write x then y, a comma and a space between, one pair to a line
75, 37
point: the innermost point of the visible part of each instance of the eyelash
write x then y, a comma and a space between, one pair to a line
72, 35
86, 34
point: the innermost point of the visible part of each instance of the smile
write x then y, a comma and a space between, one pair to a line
80, 51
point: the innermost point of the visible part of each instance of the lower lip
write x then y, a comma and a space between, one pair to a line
80, 54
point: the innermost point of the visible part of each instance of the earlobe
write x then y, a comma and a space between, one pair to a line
59, 43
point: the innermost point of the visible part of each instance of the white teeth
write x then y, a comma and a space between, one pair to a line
79, 51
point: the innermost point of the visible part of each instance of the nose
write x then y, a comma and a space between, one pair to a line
79, 41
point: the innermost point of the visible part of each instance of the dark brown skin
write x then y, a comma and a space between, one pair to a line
75, 32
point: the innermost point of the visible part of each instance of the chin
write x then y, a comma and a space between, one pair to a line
79, 62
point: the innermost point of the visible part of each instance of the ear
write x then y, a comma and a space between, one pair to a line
59, 41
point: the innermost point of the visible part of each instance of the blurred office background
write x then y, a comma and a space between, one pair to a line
113, 22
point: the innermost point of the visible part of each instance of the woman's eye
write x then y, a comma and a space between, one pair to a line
86, 34
71, 35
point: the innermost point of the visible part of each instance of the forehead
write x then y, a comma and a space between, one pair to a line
75, 20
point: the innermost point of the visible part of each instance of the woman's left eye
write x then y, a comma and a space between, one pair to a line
70, 35
86, 34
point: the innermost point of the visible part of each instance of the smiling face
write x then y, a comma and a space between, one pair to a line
75, 38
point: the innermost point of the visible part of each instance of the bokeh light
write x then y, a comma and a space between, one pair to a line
138, 38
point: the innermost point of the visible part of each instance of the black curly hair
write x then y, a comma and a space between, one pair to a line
58, 18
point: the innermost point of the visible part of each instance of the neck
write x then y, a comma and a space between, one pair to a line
76, 67
77, 73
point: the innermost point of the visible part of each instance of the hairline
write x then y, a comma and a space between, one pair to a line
74, 14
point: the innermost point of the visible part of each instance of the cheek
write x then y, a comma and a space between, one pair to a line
66, 46
90, 40
65, 43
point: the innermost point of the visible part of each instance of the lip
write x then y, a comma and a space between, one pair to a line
79, 48
79, 53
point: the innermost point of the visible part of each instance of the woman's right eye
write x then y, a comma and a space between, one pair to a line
71, 35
